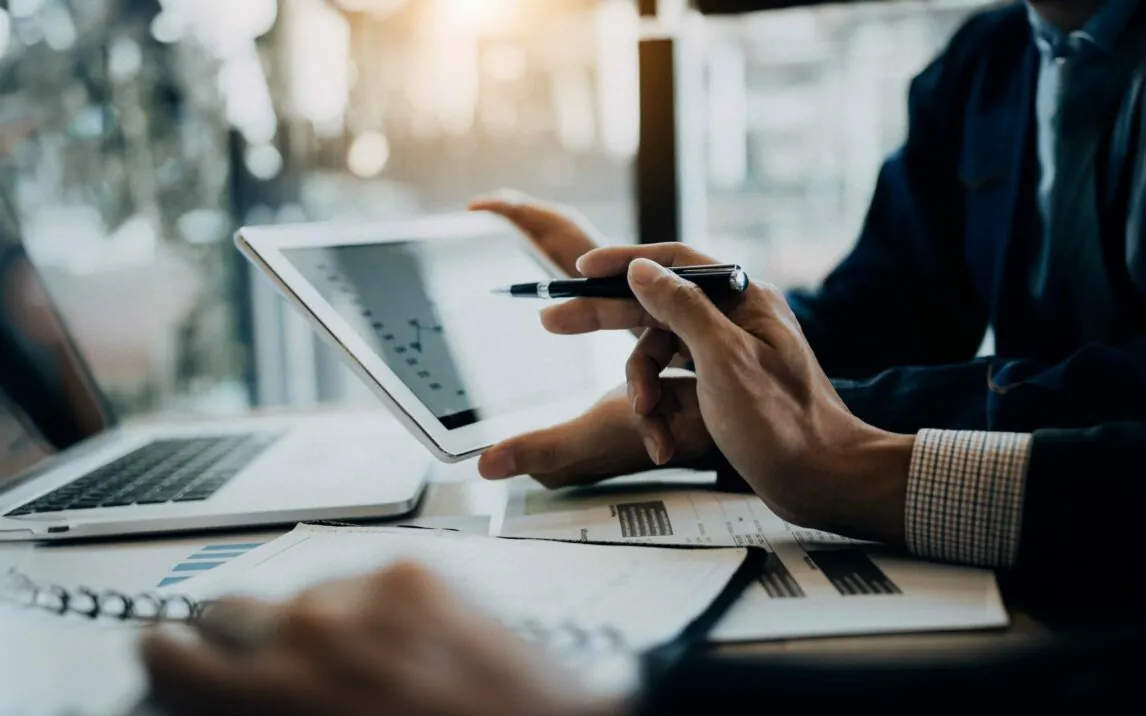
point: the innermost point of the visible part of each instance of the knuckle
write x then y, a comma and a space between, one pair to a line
407, 580
551, 481
546, 457
629, 314
770, 293
689, 255
305, 621
685, 293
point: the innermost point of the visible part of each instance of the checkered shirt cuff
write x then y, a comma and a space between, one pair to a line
965, 496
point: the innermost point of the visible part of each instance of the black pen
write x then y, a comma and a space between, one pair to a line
719, 280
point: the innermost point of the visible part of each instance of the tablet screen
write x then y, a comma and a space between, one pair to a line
426, 308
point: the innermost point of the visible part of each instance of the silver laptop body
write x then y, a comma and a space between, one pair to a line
69, 470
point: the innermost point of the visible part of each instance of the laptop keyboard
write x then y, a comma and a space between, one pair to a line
181, 470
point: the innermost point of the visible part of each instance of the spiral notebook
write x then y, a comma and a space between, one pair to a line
617, 616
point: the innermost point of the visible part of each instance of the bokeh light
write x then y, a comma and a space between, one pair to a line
368, 155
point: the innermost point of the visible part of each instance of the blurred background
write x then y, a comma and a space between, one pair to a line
137, 135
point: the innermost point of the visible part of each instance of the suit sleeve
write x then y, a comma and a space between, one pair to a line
903, 296
1098, 384
1026, 467
1082, 518
1058, 510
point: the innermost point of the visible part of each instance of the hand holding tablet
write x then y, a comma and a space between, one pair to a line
407, 306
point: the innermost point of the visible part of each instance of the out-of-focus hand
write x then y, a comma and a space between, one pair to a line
761, 393
396, 643
558, 231
608, 440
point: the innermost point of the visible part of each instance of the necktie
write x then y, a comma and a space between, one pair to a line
1084, 92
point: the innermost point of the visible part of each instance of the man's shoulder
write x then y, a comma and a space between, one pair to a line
983, 54
1004, 30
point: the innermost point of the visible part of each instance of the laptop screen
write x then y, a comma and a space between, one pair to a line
48, 399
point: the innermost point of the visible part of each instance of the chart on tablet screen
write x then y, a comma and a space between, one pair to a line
427, 310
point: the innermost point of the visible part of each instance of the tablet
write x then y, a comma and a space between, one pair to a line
408, 306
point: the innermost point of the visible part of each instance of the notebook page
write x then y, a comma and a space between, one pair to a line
55, 665
646, 595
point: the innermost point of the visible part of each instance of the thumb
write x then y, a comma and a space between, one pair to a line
678, 304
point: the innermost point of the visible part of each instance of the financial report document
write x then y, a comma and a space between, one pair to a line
812, 583
641, 597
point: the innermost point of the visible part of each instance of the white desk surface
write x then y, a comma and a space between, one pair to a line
456, 497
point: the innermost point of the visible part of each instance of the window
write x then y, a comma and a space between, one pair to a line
401, 108
803, 105
135, 137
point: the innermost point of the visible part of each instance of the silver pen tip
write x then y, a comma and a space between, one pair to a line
503, 289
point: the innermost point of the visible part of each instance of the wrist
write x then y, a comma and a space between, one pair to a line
873, 476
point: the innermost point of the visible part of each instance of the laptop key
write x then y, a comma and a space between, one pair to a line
181, 470
86, 503
119, 501
192, 497
163, 494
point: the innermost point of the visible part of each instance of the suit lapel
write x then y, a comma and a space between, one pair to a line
998, 169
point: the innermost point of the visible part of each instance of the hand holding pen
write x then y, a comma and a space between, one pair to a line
716, 280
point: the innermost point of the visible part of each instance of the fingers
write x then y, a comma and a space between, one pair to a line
652, 354
540, 453
601, 443
681, 307
355, 629
615, 260
587, 315
657, 438
239, 624
552, 229
332, 646
195, 677
656, 428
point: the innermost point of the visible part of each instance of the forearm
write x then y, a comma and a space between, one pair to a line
953, 496
873, 492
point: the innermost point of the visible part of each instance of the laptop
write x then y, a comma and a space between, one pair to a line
69, 469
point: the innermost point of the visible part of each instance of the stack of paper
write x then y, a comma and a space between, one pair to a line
812, 584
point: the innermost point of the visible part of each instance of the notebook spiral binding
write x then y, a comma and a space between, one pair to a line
148, 607
569, 640
18, 588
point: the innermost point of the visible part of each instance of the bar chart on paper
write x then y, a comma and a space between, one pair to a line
643, 519
810, 583
206, 559
852, 572
777, 580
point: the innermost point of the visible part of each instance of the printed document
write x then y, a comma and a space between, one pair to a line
812, 584
645, 597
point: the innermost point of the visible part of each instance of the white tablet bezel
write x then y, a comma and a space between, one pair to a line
264, 246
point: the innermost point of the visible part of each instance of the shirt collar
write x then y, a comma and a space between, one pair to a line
1103, 30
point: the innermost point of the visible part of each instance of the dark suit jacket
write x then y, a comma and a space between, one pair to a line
943, 254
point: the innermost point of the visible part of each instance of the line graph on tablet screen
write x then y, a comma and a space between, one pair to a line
426, 310
392, 310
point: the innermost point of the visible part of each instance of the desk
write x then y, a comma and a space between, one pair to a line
456, 491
